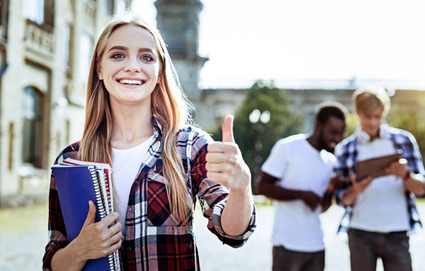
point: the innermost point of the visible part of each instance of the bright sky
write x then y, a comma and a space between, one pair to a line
283, 40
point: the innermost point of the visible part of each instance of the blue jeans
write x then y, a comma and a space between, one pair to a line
288, 260
366, 247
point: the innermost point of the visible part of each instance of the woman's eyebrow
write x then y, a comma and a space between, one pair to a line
119, 47
146, 50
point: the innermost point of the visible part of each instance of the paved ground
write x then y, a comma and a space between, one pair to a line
21, 247
255, 255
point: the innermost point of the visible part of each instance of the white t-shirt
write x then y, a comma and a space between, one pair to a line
382, 207
126, 164
299, 166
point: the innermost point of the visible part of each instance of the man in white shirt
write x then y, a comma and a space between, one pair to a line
297, 177
382, 209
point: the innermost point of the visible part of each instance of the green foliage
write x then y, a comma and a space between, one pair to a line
409, 121
352, 122
283, 122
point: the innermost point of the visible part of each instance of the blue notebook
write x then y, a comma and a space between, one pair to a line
77, 185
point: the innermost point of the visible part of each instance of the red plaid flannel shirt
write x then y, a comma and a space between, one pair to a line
154, 239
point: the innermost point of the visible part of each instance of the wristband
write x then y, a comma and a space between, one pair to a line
407, 176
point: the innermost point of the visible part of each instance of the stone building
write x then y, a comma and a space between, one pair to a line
45, 49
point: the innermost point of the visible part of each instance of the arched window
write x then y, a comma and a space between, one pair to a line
32, 108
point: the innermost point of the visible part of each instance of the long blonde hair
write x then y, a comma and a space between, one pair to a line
168, 104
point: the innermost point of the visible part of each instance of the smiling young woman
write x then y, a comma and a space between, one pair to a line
137, 120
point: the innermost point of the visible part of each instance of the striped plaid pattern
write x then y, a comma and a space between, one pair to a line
154, 238
346, 155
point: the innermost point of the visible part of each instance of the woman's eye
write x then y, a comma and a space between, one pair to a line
117, 55
147, 58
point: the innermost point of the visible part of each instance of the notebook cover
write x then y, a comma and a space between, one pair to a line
75, 189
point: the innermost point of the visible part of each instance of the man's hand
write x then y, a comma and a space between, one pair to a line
311, 199
336, 183
399, 168
361, 185
357, 187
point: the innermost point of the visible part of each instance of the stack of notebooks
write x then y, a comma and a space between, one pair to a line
78, 182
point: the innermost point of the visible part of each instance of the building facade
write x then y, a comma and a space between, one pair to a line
45, 50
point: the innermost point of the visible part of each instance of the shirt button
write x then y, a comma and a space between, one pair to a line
128, 248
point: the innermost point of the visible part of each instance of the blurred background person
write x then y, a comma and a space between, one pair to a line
381, 210
297, 177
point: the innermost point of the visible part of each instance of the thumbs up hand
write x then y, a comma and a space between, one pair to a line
225, 164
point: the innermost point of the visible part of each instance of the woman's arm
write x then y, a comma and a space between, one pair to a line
226, 166
238, 211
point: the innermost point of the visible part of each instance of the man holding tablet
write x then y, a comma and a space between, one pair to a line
381, 209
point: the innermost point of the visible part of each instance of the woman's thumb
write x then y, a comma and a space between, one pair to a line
91, 215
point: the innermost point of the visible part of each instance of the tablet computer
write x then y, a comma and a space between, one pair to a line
375, 167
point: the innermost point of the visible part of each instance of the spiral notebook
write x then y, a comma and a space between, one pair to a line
78, 182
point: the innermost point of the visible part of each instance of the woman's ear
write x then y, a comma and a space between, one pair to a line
99, 72
160, 77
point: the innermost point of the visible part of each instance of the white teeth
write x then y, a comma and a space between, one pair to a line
130, 82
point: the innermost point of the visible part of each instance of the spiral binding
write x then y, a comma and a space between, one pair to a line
112, 258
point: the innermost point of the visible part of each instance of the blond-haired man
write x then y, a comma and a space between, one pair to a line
381, 210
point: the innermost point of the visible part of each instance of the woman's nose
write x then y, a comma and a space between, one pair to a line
132, 65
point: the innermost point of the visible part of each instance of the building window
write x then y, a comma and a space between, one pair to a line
68, 52
11, 144
32, 108
34, 10
49, 13
40, 12
110, 7
85, 54
121, 6
3, 18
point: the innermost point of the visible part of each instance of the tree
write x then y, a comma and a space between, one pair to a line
256, 139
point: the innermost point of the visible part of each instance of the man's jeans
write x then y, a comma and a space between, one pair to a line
366, 247
288, 260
